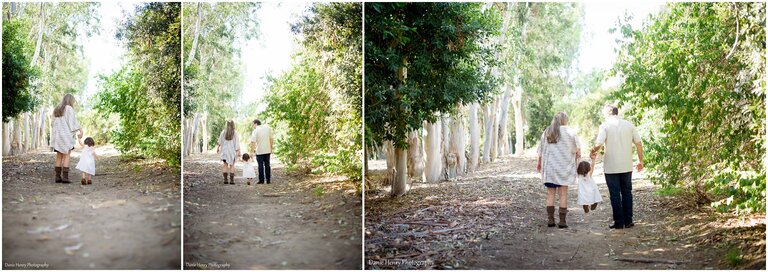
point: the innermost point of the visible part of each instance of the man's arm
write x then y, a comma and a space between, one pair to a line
639, 146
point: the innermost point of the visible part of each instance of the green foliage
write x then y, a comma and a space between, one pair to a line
146, 93
669, 191
213, 80
698, 80
315, 106
733, 257
444, 48
541, 58
17, 72
585, 104
319, 191
299, 105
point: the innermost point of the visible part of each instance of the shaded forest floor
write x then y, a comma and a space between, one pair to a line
129, 218
496, 219
297, 222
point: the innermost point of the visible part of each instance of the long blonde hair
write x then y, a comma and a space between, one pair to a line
230, 131
67, 100
553, 131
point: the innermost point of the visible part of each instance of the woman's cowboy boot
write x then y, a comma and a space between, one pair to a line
225, 178
550, 216
232, 178
562, 212
65, 175
58, 174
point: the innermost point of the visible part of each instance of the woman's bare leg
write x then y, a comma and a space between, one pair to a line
550, 196
563, 196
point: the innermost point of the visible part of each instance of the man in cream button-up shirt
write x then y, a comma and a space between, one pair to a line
261, 141
618, 136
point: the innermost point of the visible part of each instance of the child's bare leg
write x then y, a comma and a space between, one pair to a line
82, 180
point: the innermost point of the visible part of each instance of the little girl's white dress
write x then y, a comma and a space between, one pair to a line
87, 163
248, 171
588, 192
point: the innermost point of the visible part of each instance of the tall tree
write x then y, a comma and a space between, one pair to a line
146, 93
701, 90
422, 59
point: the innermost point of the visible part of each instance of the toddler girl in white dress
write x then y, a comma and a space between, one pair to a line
87, 163
248, 172
589, 195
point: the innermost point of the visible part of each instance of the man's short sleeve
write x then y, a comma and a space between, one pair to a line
635, 135
601, 135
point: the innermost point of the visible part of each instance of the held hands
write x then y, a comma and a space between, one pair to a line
593, 155
80, 134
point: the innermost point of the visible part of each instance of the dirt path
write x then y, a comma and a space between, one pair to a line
129, 218
495, 219
293, 223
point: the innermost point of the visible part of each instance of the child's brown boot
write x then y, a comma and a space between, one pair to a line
58, 174
225, 177
90, 182
65, 175
563, 212
232, 178
249, 182
586, 208
83, 182
593, 206
550, 216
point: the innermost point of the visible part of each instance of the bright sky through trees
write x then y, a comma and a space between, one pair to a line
104, 52
597, 48
270, 53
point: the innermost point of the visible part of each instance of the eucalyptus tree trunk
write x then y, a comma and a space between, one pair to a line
39, 36
25, 138
197, 34
401, 171
206, 135
7, 138
415, 160
433, 162
503, 142
517, 105
487, 133
187, 136
449, 159
457, 143
474, 139
495, 130
195, 133
401, 154
389, 153
16, 144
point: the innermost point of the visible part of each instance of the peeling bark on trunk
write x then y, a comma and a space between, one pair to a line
474, 138
457, 144
415, 161
389, 152
16, 144
433, 162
